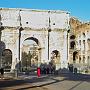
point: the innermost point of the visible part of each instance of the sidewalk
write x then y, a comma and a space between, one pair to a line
23, 76
50, 81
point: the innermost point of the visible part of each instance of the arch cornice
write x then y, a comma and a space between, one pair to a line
7, 27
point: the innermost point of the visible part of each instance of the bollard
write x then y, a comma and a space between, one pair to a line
38, 72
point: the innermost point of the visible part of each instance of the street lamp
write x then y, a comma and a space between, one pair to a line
20, 29
1, 28
68, 44
49, 30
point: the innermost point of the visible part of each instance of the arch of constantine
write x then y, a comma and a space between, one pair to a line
47, 28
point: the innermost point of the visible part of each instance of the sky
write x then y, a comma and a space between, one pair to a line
77, 8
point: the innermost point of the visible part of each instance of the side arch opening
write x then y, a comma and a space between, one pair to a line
7, 59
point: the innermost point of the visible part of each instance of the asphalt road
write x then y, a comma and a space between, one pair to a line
48, 82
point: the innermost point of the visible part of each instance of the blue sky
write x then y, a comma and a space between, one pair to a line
77, 8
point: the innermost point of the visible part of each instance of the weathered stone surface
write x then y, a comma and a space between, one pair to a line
81, 31
35, 24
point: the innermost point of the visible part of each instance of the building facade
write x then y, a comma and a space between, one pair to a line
80, 45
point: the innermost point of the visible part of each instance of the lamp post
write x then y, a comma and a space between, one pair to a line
49, 30
68, 44
19, 40
39, 56
1, 47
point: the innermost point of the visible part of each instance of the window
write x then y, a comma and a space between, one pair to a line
72, 45
75, 56
72, 37
83, 59
88, 57
80, 42
84, 35
79, 59
84, 44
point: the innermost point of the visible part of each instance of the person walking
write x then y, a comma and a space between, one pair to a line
2, 73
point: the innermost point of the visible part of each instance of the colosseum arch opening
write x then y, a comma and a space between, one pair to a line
75, 56
55, 58
72, 44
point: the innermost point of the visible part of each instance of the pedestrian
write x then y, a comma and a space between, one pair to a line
2, 73
38, 72
47, 70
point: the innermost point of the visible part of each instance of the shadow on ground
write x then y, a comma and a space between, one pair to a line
52, 78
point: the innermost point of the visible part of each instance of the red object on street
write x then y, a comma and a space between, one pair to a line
38, 72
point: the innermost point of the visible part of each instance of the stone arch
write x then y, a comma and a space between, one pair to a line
72, 37
83, 34
33, 38
75, 56
32, 55
72, 44
55, 57
7, 59
88, 41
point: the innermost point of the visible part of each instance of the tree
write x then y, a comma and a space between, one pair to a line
24, 58
29, 58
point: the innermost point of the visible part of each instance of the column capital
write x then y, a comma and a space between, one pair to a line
21, 29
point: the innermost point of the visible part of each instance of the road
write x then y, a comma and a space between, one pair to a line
48, 82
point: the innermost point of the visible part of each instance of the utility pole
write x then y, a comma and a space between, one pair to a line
1, 47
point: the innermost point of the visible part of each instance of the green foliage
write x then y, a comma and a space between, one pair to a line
26, 59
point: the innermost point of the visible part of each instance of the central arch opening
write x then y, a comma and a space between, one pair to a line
30, 53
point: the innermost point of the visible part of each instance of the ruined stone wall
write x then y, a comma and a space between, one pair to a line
83, 36
82, 45
74, 23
